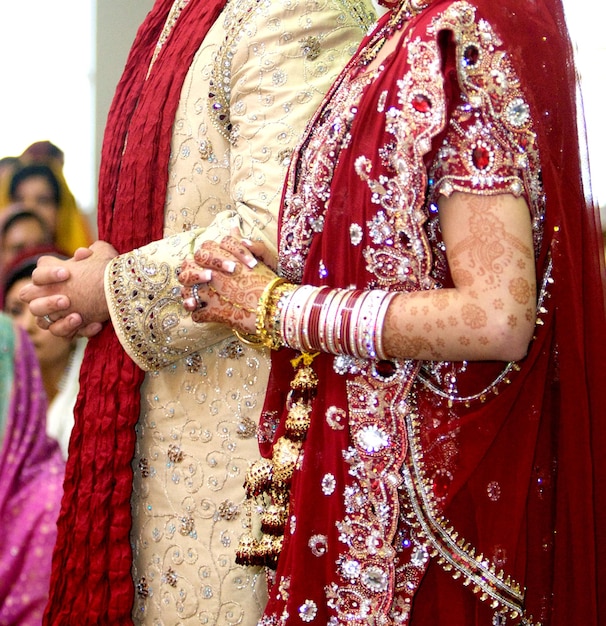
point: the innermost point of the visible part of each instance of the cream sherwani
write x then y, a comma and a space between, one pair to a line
259, 75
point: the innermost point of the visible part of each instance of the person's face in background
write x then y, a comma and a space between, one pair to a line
37, 195
23, 234
49, 348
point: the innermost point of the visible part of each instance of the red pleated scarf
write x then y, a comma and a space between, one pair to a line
91, 580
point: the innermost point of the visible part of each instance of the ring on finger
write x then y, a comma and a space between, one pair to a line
194, 290
47, 319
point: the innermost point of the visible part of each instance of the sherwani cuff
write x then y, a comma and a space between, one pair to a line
145, 303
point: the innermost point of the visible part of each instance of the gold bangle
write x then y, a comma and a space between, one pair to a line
262, 312
274, 309
249, 340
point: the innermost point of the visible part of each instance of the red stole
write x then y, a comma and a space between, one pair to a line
91, 580
529, 480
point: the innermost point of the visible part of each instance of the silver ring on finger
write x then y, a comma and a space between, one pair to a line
47, 319
194, 290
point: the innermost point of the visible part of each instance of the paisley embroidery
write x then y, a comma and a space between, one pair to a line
487, 147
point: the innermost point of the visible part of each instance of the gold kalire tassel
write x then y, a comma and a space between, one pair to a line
268, 481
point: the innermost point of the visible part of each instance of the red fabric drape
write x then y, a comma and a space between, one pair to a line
578, 353
564, 375
91, 580
541, 436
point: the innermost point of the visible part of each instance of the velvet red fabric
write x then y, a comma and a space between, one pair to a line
91, 580
523, 472
577, 353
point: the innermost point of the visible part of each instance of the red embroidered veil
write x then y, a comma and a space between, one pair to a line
91, 580
536, 440
576, 346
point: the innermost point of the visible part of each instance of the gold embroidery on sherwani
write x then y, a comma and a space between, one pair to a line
203, 391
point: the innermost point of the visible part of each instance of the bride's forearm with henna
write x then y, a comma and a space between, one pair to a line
490, 312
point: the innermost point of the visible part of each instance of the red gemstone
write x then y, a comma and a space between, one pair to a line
481, 157
421, 103
471, 55
440, 485
386, 369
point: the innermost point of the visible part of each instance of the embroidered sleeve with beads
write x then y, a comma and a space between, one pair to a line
144, 296
490, 146
259, 75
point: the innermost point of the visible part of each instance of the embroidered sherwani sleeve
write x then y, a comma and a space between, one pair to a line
256, 80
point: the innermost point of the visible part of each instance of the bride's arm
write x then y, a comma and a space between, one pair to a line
490, 311
488, 314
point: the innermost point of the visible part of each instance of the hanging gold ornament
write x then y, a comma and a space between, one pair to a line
268, 481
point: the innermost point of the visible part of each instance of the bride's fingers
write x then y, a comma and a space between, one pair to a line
212, 256
257, 248
194, 297
261, 252
190, 273
239, 249
189, 302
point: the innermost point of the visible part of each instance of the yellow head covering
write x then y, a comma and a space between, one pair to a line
73, 228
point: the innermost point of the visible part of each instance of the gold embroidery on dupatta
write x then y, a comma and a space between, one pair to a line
493, 137
403, 256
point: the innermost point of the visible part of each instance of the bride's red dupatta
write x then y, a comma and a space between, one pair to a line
91, 580
526, 490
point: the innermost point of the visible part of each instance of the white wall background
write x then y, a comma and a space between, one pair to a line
585, 22
60, 62
47, 78
52, 62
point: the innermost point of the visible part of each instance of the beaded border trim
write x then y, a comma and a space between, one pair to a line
492, 388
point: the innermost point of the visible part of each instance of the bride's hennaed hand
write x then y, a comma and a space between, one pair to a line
233, 299
243, 250
229, 297
194, 272
257, 250
191, 273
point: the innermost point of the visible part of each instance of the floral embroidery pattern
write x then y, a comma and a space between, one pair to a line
487, 147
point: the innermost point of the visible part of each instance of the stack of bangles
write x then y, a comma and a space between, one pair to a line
308, 319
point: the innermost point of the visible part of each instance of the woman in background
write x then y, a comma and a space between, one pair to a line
41, 187
21, 230
37, 188
31, 479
